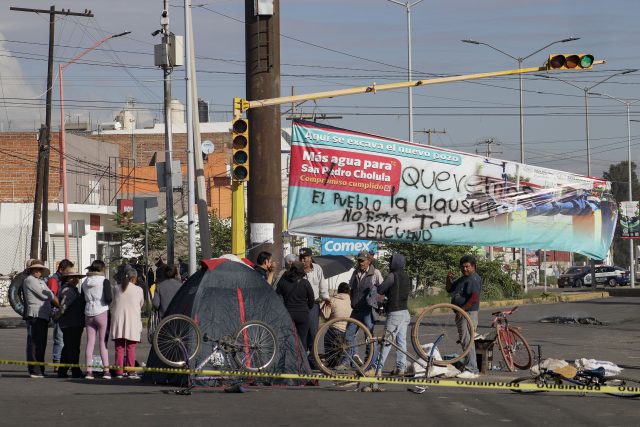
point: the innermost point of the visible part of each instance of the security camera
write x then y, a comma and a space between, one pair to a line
155, 33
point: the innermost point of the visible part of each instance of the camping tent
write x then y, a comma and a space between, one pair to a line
220, 297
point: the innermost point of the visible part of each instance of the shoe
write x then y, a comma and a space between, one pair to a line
106, 376
467, 375
370, 372
89, 376
36, 376
341, 367
398, 372
133, 376
119, 376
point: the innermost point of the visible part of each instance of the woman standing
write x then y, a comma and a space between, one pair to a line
97, 294
298, 298
126, 321
71, 322
37, 299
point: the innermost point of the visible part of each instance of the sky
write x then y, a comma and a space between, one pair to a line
336, 44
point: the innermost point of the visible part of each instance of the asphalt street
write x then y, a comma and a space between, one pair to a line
29, 401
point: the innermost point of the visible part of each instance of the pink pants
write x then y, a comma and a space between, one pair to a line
96, 325
121, 343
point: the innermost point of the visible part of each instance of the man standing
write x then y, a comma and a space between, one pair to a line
396, 288
55, 285
364, 294
288, 262
465, 293
265, 266
320, 287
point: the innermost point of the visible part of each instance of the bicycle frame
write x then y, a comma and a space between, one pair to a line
427, 364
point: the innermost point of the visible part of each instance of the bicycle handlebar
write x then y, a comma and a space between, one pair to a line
505, 313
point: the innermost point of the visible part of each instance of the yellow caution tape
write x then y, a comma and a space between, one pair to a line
494, 385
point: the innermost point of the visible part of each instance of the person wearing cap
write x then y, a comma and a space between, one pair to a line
298, 298
55, 284
364, 293
315, 276
38, 300
71, 322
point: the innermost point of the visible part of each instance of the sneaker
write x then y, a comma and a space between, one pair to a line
399, 372
89, 376
133, 376
467, 375
106, 376
36, 376
370, 372
119, 376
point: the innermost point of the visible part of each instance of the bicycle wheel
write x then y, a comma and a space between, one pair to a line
628, 387
177, 340
256, 346
437, 325
504, 342
154, 318
14, 294
522, 355
343, 346
540, 381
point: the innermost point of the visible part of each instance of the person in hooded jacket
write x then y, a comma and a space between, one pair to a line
396, 287
298, 298
71, 322
98, 295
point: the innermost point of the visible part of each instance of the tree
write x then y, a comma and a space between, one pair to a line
220, 235
618, 174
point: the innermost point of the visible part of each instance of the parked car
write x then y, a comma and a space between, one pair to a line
573, 277
610, 275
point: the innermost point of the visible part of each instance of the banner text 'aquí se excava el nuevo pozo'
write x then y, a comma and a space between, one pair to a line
355, 185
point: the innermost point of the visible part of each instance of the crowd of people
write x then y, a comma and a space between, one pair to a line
89, 303
75, 303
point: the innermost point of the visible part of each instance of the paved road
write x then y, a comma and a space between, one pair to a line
28, 401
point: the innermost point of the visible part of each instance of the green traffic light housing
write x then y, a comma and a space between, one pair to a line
581, 61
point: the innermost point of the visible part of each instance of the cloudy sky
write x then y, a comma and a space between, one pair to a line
333, 44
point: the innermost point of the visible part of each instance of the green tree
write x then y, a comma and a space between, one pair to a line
429, 264
220, 235
618, 174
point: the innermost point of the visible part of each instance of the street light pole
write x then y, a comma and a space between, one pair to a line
628, 104
520, 60
408, 6
586, 105
63, 157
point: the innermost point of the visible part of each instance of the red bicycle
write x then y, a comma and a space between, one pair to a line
514, 348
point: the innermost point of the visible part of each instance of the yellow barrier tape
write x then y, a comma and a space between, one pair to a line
478, 384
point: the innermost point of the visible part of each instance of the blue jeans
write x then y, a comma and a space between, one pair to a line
396, 326
366, 317
58, 342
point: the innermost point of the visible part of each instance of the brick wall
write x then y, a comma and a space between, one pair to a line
18, 159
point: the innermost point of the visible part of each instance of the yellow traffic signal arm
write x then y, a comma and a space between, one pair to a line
240, 105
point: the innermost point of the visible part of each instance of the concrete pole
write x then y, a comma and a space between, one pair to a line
191, 176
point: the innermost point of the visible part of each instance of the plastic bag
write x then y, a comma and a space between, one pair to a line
610, 368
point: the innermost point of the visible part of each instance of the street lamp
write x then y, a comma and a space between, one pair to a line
520, 61
586, 105
408, 6
63, 159
628, 104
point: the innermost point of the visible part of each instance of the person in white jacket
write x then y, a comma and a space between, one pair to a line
126, 321
97, 294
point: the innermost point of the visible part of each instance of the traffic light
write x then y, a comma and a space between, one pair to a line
240, 150
581, 61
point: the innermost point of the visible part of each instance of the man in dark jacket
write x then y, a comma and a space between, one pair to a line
396, 288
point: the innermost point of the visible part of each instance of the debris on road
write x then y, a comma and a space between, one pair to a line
573, 320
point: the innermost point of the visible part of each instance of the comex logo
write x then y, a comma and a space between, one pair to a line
333, 246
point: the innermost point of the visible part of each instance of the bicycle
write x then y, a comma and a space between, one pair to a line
515, 350
345, 346
178, 339
570, 376
154, 319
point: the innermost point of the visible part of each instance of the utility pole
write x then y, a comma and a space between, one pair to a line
488, 150
429, 132
165, 57
262, 38
41, 202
